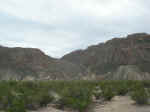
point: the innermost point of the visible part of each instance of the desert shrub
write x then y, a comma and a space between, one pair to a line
36, 95
139, 94
108, 93
14, 102
97, 92
76, 97
146, 83
41, 99
16, 105
17, 96
107, 90
121, 88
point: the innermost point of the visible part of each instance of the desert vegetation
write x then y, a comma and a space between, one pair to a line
21, 96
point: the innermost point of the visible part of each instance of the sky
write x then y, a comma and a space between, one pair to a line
58, 27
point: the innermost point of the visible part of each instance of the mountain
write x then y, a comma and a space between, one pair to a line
126, 58
33, 64
119, 58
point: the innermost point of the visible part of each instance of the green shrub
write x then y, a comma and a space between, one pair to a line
42, 98
16, 106
146, 83
107, 93
122, 89
76, 97
15, 103
17, 96
139, 94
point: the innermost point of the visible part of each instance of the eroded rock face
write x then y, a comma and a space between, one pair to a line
108, 57
113, 56
33, 64
128, 72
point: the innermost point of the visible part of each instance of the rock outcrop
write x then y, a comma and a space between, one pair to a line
128, 72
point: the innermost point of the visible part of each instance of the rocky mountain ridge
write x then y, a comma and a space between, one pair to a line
120, 58
107, 57
33, 64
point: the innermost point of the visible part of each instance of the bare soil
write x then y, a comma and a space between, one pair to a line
120, 104
117, 104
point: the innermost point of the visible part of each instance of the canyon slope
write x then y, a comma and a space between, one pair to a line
119, 58
125, 58
33, 64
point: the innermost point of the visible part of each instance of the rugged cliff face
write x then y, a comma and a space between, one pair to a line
119, 58
108, 57
33, 64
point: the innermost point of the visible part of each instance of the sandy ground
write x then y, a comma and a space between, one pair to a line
51, 109
118, 104
48, 109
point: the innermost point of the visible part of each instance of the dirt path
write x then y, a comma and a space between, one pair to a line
120, 104
48, 109
51, 109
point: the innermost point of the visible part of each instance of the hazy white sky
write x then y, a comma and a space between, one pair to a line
60, 26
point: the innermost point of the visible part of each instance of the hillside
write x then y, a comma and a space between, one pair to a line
33, 64
119, 58
107, 58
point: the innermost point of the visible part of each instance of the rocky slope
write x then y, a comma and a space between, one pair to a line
33, 64
127, 72
116, 56
119, 58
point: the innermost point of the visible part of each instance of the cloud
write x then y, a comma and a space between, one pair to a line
59, 27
